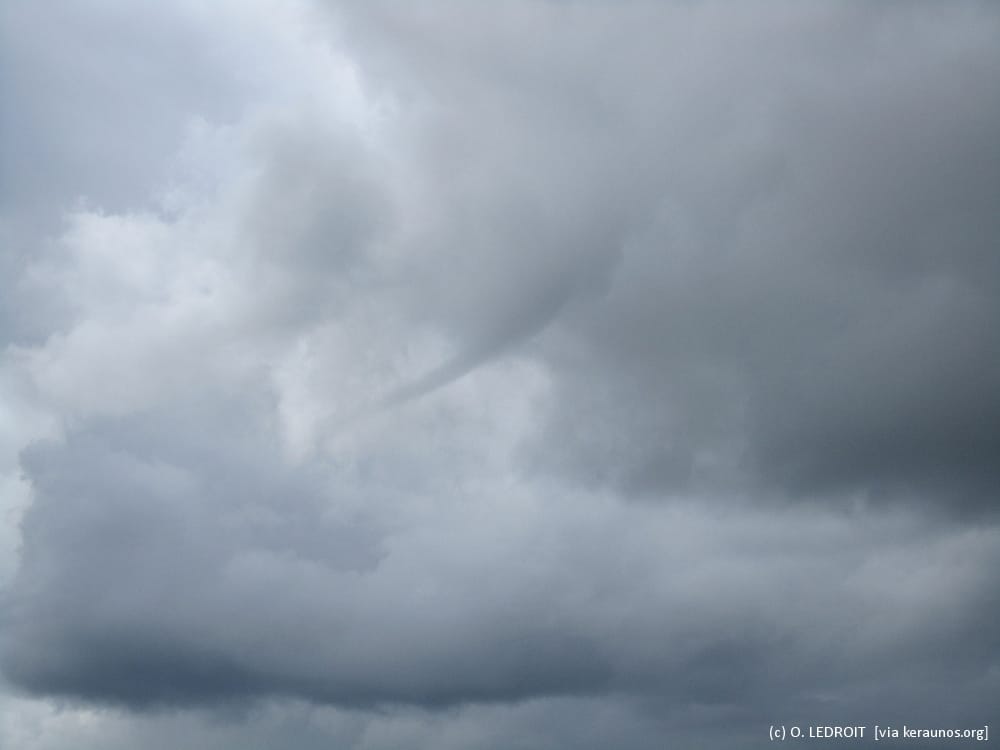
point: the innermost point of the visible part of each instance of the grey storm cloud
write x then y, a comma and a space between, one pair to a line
545, 374
801, 241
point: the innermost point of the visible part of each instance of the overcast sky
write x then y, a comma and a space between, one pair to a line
476, 376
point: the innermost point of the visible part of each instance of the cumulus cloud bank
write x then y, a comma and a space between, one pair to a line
540, 375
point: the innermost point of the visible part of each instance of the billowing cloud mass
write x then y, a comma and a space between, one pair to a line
463, 375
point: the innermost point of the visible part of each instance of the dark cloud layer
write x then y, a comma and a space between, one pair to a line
170, 559
538, 375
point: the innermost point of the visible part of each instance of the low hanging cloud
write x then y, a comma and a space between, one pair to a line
552, 374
